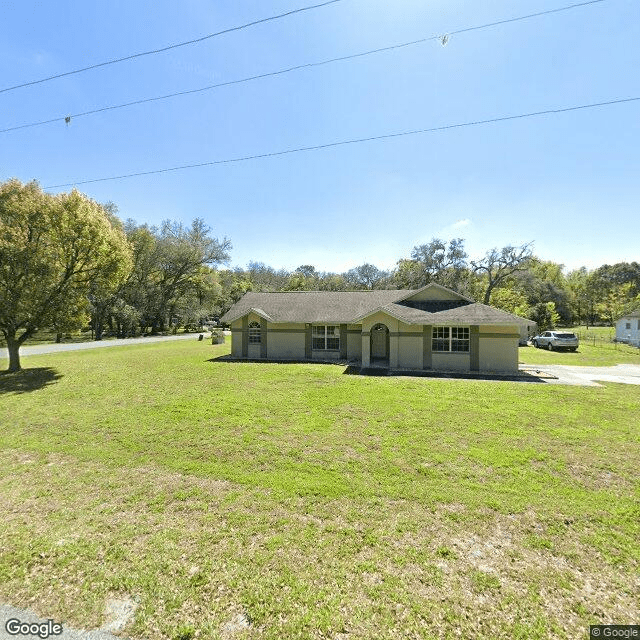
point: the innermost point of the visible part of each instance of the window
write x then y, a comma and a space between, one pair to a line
628, 325
255, 337
325, 338
450, 339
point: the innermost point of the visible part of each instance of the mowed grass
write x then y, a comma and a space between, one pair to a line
293, 501
596, 349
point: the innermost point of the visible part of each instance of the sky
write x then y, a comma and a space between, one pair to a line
568, 182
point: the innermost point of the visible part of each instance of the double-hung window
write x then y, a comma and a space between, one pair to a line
325, 338
450, 339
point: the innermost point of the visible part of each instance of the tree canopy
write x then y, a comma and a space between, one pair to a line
52, 249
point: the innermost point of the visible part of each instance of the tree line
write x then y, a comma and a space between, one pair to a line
68, 262
510, 278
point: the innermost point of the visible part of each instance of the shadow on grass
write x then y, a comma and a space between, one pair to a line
28, 379
522, 376
356, 370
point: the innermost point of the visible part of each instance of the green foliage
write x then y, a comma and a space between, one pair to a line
52, 250
437, 261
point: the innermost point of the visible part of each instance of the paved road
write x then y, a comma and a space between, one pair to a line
587, 376
39, 349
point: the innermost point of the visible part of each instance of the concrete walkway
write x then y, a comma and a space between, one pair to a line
586, 376
40, 349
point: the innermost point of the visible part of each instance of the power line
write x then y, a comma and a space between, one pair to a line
307, 65
172, 46
339, 143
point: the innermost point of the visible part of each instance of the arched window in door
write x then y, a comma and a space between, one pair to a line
255, 335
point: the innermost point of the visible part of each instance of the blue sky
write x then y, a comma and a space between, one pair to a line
568, 182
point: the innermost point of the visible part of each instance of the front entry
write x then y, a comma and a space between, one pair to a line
380, 345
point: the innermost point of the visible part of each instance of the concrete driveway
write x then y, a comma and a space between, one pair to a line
585, 376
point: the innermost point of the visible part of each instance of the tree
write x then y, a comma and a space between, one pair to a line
168, 268
545, 314
366, 276
499, 264
433, 262
52, 248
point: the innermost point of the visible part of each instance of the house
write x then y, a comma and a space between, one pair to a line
432, 328
628, 328
528, 328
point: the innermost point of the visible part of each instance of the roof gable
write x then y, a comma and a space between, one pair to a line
433, 292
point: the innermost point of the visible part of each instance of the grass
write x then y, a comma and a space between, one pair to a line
312, 504
596, 349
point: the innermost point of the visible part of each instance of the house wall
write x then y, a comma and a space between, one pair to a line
498, 348
493, 348
527, 330
236, 338
631, 335
410, 351
285, 345
354, 342
450, 361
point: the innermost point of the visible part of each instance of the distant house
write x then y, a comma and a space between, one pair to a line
628, 328
432, 328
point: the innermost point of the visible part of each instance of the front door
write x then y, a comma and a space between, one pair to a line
379, 342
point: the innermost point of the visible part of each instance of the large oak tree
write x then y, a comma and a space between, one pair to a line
53, 248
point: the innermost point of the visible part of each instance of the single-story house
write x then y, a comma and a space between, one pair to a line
628, 328
432, 328
528, 328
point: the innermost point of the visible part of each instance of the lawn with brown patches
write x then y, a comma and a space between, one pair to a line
284, 501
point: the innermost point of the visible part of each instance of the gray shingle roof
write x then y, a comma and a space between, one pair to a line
473, 314
344, 307
314, 306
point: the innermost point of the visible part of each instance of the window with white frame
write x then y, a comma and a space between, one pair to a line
628, 325
255, 336
450, 339
325, 338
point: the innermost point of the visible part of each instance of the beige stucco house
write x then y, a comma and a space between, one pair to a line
432, 328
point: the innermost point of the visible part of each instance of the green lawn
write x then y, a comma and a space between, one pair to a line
312, 503
596, 349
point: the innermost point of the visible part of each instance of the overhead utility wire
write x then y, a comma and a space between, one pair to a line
171, 46
339, 143
307, 65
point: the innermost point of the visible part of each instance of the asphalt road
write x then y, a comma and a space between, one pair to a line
39, 349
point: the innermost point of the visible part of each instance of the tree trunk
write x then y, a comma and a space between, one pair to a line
487, 293
13, 347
